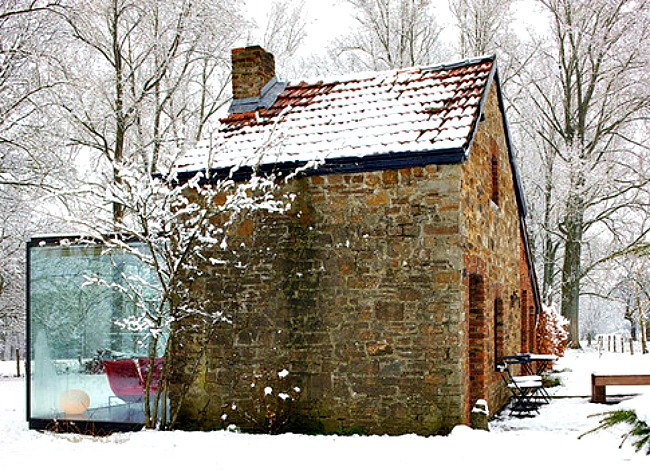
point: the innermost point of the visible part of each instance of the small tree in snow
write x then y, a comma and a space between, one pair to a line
638, 429
176, 223
552, 332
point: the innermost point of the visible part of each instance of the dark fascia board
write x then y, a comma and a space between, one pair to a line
511, 153
482, 103
386, 161
461, 63
521, 201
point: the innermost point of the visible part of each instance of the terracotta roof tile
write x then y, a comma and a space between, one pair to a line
417, 109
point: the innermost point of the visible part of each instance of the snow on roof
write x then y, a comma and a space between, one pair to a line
418, 109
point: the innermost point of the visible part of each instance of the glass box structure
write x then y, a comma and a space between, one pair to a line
87, 340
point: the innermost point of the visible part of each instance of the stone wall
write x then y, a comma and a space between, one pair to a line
356, 292
494, 258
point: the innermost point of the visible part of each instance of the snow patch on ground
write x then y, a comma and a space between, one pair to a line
548, 439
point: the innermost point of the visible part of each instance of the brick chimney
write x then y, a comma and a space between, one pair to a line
252, 69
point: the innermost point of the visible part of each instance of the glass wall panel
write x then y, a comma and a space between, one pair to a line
86, 335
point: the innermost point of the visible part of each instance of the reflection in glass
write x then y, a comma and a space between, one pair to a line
83, 305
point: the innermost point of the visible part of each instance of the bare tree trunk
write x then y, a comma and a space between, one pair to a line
120, 124
149, 416
17, 362
550, 261
550, 246
573, 230
644, 335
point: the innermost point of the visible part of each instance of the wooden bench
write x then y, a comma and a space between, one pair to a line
600, 381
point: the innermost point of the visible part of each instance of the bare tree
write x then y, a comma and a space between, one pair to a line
391, 34
282, 32
484, 25
587, 90
539, 173
11, 271
151, 90
286, 28
28, 69
30, 163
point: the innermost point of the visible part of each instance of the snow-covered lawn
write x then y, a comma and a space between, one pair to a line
542, 442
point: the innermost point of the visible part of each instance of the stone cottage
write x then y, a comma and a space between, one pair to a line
402, 272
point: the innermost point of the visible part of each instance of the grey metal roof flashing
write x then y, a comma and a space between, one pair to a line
265, 99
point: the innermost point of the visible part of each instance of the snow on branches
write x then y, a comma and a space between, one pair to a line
171, 225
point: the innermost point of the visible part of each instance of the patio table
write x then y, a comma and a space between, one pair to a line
542, 362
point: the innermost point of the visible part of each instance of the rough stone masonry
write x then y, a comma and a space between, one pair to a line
387, 295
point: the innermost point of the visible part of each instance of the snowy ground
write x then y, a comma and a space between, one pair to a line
541, 442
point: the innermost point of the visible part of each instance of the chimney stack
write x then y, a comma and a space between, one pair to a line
252, 69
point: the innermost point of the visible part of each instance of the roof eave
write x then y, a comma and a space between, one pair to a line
377, 162
519, 194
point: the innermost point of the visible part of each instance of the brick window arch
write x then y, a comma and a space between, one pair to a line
499, 333
477, 338
524, 322
494, 193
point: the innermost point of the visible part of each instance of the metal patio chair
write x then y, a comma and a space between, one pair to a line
528, 373
524, 389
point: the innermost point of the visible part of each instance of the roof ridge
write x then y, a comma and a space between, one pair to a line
372, 74
460, 63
